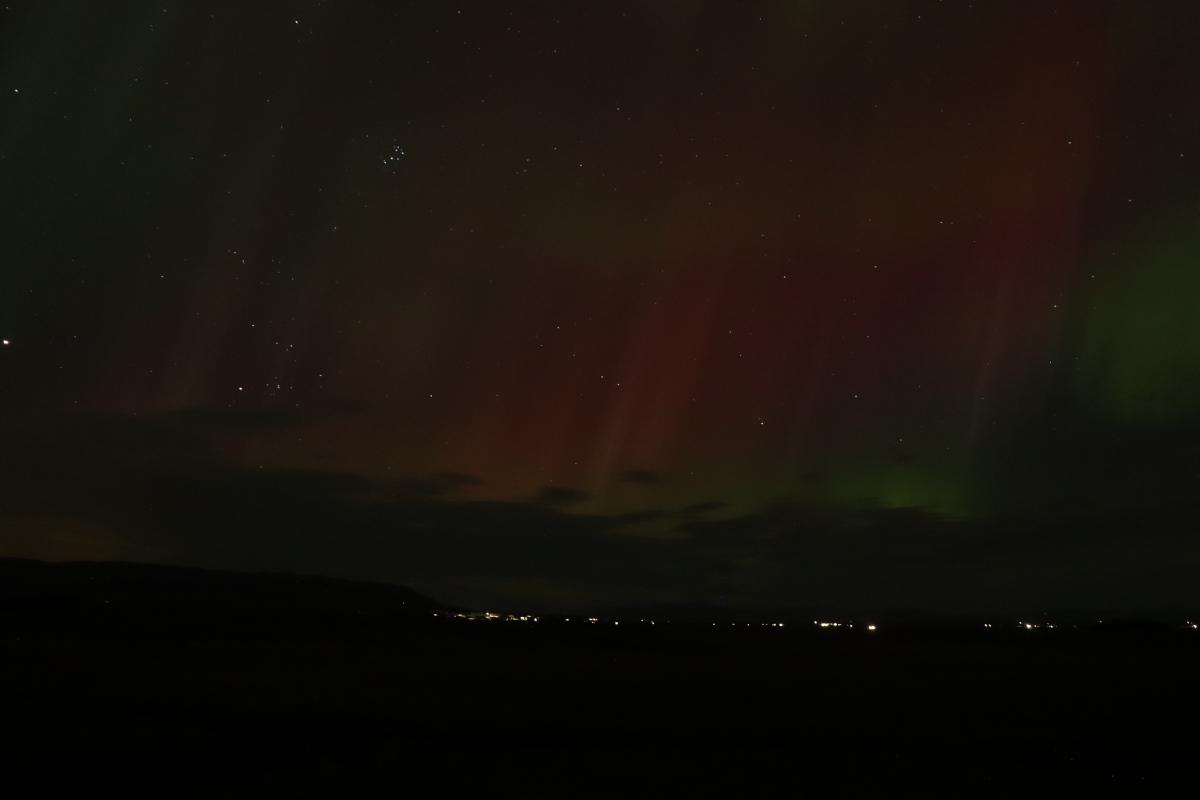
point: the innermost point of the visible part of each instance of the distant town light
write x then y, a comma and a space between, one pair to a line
870, 627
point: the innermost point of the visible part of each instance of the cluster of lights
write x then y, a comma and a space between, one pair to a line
1033, 626
492, 616
832, 624
394, 156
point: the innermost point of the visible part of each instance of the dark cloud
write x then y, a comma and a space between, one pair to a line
644, 477
911, 558
703, 508
438, 484
456, 479
639, 517
561, 496
161, 490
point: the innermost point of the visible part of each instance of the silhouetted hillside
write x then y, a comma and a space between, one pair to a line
104, 599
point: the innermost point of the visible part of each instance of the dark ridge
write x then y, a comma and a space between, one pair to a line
120, 599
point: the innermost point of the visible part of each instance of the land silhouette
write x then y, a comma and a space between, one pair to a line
167, 680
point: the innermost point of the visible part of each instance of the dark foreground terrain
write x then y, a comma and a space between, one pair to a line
145, 681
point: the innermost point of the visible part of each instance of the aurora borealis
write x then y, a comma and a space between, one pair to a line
861, 304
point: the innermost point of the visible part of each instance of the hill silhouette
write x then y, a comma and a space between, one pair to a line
106, 599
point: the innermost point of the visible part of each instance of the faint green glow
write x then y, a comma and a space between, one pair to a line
867, 484
933, 493
1139, 353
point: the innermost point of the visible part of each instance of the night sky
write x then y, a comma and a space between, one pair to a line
871, 305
